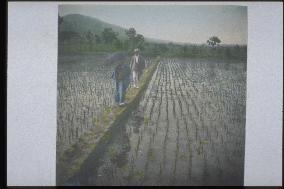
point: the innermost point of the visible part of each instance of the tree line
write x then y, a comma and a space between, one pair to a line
108, 41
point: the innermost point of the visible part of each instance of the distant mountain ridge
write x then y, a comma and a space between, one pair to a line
81, 24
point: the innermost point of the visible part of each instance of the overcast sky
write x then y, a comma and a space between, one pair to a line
179, 23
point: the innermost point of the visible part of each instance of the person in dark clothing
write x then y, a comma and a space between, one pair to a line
122, 76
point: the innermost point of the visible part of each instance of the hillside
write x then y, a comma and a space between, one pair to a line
74, 24
81, 24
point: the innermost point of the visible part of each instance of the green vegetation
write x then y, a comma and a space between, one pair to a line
196, 51
146, 120
82, 34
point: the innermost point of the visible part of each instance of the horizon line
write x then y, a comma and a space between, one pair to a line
151, 38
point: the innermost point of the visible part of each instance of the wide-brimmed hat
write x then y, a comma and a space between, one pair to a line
136, 50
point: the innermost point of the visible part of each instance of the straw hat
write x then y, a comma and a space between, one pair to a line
136, 50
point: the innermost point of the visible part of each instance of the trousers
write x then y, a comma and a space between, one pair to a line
120, 92
135, 78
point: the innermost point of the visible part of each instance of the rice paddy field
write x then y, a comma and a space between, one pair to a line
187, 129
85, 88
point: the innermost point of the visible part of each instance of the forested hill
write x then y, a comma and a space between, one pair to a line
82, 24
85, 34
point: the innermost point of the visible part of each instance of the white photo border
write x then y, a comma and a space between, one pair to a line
32, 89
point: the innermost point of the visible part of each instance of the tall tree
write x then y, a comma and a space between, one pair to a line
131, 34
109, 36
139, 41
214, 40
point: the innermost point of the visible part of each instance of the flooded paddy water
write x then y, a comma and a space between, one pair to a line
187, 129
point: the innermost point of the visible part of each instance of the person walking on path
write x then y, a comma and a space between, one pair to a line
121, 75
136, 66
